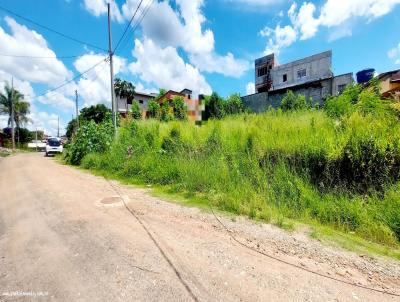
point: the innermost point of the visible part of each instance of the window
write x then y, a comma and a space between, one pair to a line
284, 78
262, 71
341, 88
302, 73
140, 101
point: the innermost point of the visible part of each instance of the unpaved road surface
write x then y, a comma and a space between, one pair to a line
59, 242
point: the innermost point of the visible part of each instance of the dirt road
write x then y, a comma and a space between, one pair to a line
60, 242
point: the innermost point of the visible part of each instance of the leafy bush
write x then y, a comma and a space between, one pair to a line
234, 105
180, 108
135, 110
90, 138
154, 109
292, 101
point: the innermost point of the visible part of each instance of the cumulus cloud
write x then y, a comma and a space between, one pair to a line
165, 68
250, 88
279, 38
95, 86
183, 27
99, 8
394, 54
25, 42
334, 15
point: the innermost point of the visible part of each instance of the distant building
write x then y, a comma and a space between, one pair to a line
195, 105
311, 76
390, 84
143, 99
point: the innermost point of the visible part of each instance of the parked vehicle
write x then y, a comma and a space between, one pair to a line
38, 145
54, 146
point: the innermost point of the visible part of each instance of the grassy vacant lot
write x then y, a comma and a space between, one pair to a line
279, 166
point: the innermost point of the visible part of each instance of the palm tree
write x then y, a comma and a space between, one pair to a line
124, 89
13, 98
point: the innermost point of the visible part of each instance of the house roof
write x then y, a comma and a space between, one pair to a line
394, 73
144, 94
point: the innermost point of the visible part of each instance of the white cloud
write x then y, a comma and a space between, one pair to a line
183, 28
279, 38
304, 20
99, 8
25, 42
250, 88
394, 54
334, 14
22, 86
165, 68
48, 122
95, 86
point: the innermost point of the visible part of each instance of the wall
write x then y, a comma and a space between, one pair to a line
317, 67
344, 79
260, 102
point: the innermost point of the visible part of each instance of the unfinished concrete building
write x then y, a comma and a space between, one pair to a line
311, 76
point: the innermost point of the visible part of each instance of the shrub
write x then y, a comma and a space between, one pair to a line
90, 138
234, 105
135, 110
154, 109
292, 101
180, 108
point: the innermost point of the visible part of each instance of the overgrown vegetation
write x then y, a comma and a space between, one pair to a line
338, 166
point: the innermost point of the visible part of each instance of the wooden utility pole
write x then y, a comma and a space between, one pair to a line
110, 52
12, 114
58, 126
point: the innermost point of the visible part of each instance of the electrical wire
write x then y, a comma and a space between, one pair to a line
128, 25
51, 30
229, 232
38, 57
134, 28
71, 80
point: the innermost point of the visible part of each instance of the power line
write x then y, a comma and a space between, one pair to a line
71, 80
128, 26
141, 17
50, 29
38, 57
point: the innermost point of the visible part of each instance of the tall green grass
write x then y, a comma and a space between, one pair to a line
302, 165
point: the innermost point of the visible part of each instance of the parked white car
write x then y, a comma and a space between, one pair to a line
37, 144
54, 146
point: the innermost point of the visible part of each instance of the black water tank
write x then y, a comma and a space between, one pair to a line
364, 76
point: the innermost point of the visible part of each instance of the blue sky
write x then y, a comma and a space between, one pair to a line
204, 45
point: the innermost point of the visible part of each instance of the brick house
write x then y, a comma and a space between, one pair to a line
195, 105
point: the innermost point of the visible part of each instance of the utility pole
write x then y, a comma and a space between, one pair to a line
12, 114
77, 109
110, 52
58, 126
36, 140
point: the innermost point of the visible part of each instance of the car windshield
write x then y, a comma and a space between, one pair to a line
53, 142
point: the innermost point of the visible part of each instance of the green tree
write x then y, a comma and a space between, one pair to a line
293, 101
214, 107
234, 104
135, 110
97, 113
12, 98
124, 89
180, 108
153, 109
165, 112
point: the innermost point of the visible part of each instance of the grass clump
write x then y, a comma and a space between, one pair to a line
336, 167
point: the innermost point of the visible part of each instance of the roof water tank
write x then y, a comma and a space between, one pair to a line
364, 76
